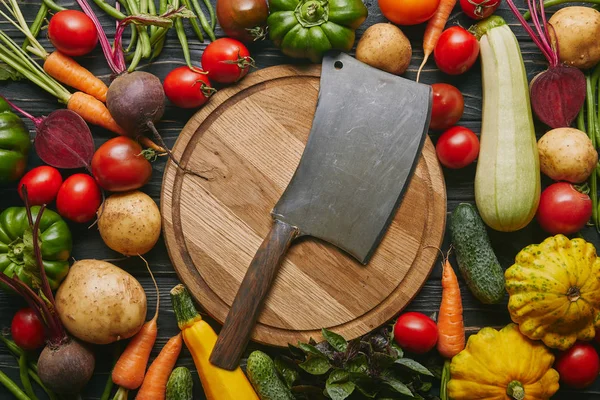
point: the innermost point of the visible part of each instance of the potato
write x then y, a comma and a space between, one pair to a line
578, 31
384, 46
129, 223
567, 154
100, 303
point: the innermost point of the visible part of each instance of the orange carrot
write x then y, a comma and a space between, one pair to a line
93, 111
130, 368
155, 382
66, 70
451, 329
434, 29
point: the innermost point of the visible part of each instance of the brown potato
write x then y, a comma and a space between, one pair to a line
100, 303
578, 31
129, 223
567, 154
385, 47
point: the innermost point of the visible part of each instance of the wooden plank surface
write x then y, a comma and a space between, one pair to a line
89, 245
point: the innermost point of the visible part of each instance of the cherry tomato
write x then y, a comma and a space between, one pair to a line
226, 60
27, 330
119, 165
448, 106
415, 332
408, 12
457, 147
563, 209
579, 366
72, 33
186, 88
42, 185
456, 51
78, 198
479, 9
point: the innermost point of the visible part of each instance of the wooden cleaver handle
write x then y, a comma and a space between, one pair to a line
248, 301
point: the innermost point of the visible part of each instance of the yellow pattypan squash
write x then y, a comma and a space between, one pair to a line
554, 290
502, 365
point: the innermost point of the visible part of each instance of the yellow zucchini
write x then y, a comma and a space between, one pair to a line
200, 339
507, 181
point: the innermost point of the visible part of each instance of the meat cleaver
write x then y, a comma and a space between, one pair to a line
365, 141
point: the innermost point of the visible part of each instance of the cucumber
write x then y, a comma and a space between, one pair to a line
507, 180
263, 376
180, 385
476, 259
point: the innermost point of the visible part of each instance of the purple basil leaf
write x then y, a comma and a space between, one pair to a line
64, 140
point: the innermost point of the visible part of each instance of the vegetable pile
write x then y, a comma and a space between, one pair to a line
65, 306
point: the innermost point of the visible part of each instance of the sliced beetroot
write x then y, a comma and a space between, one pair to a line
557, 95
64, 140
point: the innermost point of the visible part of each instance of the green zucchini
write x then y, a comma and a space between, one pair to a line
507, 181
476, 259
263, 376
180, 385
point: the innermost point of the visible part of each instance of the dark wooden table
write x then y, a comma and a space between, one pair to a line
88, 244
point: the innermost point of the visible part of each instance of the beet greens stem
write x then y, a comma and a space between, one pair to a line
36, 121
528, 29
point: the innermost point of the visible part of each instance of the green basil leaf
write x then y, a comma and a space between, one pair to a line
336, 341
390, 378
287, 371
316, 365
425, 386
296, 351
398, 350
338, 385
367, 387
309, 349
358, 364
381, 361
338, 376
413, 366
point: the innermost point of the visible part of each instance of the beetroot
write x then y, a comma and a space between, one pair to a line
558, 93
64, 366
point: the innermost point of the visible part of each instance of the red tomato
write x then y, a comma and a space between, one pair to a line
563, 209
457, 147
78, 198
408, 12
456, 51
72, 33
27, 330
479, 9
448, 106
119, 165
186, 88
226, 60
579, 366
415, 332
42, 185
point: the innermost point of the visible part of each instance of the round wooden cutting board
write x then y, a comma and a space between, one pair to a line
248, 141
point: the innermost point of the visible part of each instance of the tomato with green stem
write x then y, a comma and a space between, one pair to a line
120, 165
564, 209
448, 106
72, 33
42, 185
415, 332
408, 12
479, 9
456, 51
186, 88
27, 330
78, 198
457, 147
579, 366
226, 60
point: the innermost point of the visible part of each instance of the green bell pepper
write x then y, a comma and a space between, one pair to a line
14, 144
309, 28
55, 240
